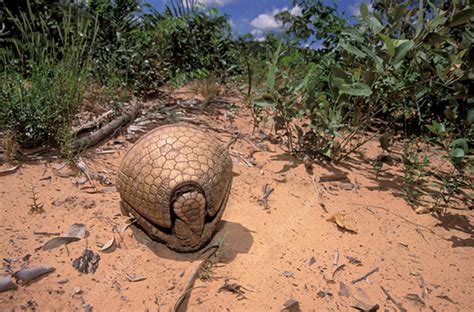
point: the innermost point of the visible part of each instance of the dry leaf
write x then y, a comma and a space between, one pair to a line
58, 241
28, 275
291, 305
361, 306
76, 230
343, 290
416, 298
6, 284
109, 244
340, 220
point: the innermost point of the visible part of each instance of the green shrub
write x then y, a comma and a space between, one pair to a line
41, 96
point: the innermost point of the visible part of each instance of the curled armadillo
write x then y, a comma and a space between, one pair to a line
175, 181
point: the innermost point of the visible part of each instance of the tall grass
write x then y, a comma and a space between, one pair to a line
43, 88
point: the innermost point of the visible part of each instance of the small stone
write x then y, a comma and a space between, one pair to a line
63, 281
77, 290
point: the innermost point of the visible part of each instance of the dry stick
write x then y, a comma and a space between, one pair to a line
389, 297
94, 123
190, 285
96, 136
333, 177
396, 214
365, 276
9, 170
47, 233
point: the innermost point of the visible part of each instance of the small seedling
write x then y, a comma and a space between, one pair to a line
211, 262
36, 206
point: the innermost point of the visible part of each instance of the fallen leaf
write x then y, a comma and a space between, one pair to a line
291, 305
416, 298
340, 220
6, 284
76, 230
323, 293
28, 275
365, 307
59, 241
109, 244
234, 288
77, 290
135, 278
343, 290
445, 297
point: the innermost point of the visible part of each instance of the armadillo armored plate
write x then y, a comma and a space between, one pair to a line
175, 181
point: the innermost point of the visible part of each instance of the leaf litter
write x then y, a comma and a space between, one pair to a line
76, 232
340, 220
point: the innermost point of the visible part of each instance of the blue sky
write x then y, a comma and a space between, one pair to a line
257, 16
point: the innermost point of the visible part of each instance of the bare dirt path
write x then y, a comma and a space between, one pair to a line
288, 250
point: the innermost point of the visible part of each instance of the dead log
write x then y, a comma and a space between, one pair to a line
95, 137
96, 123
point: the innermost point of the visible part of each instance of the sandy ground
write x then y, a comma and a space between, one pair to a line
286, 251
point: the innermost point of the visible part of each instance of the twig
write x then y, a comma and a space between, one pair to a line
9, 170
389, 297
181, 303
333, 177
183, 297
47, 233
424, 293
365, 276
396, 214
267, 190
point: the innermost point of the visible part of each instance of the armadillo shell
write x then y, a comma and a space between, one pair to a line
176, 181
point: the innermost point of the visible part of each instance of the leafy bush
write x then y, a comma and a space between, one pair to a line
404, 67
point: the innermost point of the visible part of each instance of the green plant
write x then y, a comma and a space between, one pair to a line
36, 206
208, 266
40, 101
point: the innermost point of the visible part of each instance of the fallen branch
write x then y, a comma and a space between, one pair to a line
96, 123
9, 170
365, 276
333, 177
397, 215
182, 301
389, 297
97, 136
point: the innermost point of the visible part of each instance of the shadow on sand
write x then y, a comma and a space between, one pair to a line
238, 240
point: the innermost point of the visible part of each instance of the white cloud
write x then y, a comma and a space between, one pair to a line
268, 21
296, 11
216, 2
